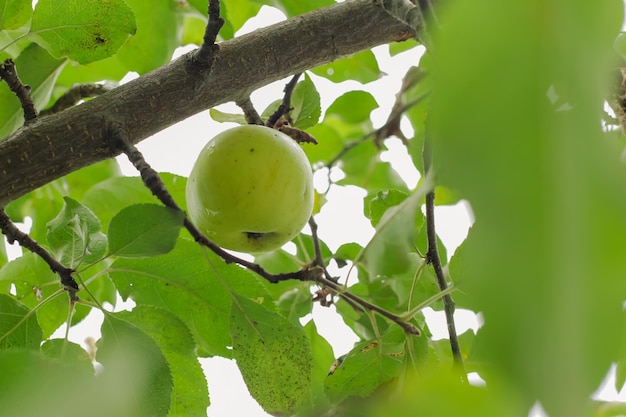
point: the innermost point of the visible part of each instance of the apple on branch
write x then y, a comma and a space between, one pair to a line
251, 189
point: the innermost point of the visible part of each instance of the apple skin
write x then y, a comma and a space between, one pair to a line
251, 189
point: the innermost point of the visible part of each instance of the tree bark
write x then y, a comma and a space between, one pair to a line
56, 145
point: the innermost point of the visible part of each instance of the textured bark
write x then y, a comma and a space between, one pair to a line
64, 142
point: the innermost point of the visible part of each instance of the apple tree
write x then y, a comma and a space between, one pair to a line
514, 107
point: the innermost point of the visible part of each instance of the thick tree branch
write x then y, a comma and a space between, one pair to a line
53, 146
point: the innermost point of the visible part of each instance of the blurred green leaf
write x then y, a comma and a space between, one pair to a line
323, 358
273, 355
296, 7
18, 327
223, 117
545, 251
157, 36
144, 230
396, 48
384, 200
70, 354
190, 396
75, 236
295, 303
361, 67
15, 13
83, 30
35, 282
353, 106
194, 285
125, 347
37, 69
235, 12
388, 252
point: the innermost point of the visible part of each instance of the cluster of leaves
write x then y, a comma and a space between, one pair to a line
543, 263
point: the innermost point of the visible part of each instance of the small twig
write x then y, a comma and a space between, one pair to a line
285, 105
75, 94
13, 234
433, 258
319, 258
252, 116
8, 73
355, 299
205, 54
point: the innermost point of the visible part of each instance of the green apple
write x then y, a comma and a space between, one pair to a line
251, 189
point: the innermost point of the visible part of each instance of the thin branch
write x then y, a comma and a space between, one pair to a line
432, 255
205, 54
285, 105
319, 258
252, 116
13, 234
8, 73
75, 94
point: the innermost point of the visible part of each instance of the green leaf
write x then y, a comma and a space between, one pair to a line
37, 69
367, 366
295, 303
323, 358
396, 48
190, 396
108, 69
383, 201
388, 252
305, 101
274, 357
18, 327
109, 197
70, 354
157, 36
144, 230
83, 30
35, 282
297, 7
223, 117
125, 347
361, 67
353, 106
190, 282
543, 182
235, 12
15, 13
74, 236
330, 143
